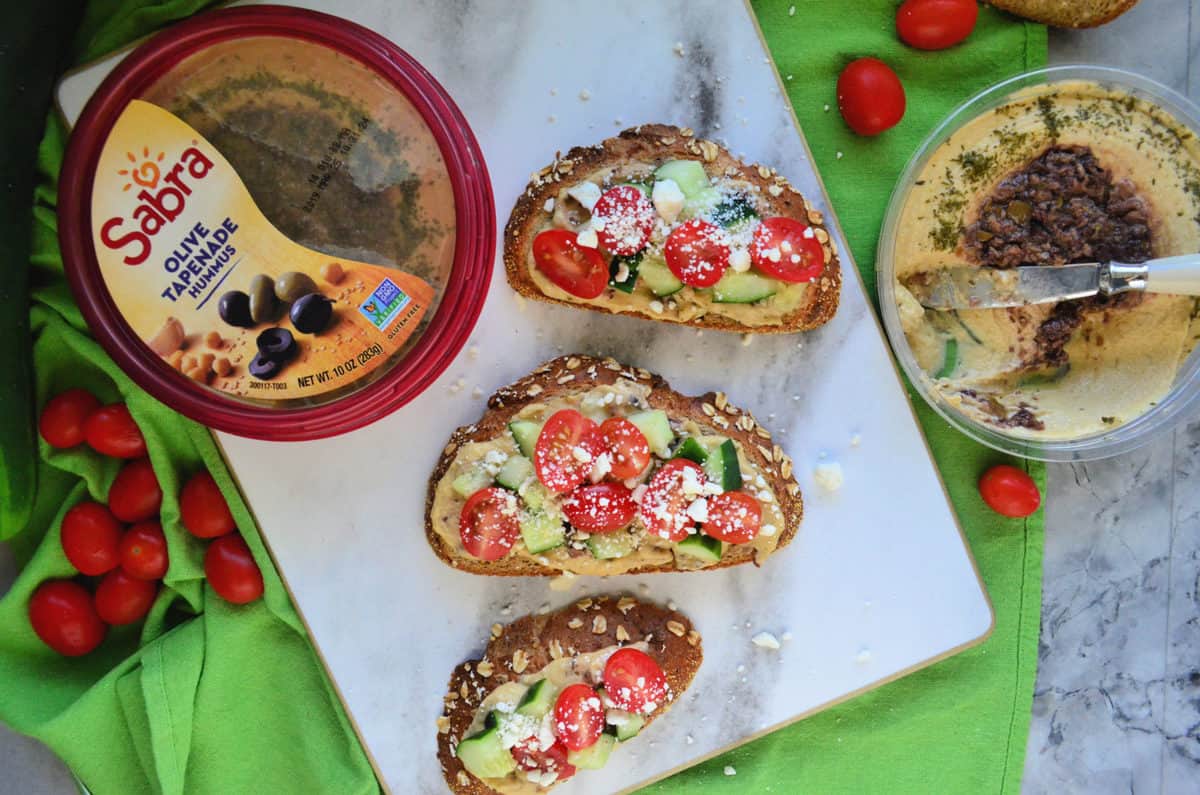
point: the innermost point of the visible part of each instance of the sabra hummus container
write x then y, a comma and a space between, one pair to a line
276, 222
1002, 182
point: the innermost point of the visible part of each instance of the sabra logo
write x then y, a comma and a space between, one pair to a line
157, 206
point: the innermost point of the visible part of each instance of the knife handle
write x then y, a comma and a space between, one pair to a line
1178, 275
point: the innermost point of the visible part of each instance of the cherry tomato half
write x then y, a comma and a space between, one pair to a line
600, 508
733, 517
634, 682
110, 430
664, 505
529, 755
561, 460
786, 249
626, 445
578, 717
144, 551
64, 415
63, 616
134, 494
231, 571
489, 523
627, 219
203, 509
579, 270
91, 538
870, 96
697, 252
1009, 491
936, 24
121, 599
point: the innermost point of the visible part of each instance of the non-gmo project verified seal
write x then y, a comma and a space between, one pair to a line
382, 306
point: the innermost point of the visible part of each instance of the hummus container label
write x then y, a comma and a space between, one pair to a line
201, 275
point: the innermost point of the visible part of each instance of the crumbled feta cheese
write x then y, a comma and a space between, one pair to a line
839, 155
587, 238
826, 107
786, 636
855, 440
639, 492
551, 119
668, 199
678, 49
739, 260
730, 771
772, 254
656, 307
622, 272
774, 190
747, 339
689, 739
585, 95
768, 530
765, 640
586, 193
601, 466
829, 475
808, 233
698, 510
791, 11
580, 454
494, 460
863, 657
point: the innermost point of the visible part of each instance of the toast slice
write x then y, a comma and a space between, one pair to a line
529, 644
582, 381
632, 157
1067, 13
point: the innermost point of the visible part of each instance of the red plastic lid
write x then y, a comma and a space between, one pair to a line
299, 103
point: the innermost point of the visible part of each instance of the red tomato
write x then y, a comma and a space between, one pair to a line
203, 509
64, 415
579, 270
578, 717
489, 523
870, 96
110, 430
529, 755
601, 508
231, 570
63, 616
144, 551
1009, 491
626, 445
134, 495
733, 517
559, 466
787, 250
91, 538
627, 217
634, 682
697, 252
121, 599
936, 24
664, 505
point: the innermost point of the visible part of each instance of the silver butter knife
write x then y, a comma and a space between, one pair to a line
968, 287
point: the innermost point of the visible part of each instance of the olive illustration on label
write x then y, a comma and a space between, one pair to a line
311, 313
277, 344
293, 285
263, 368
263, 306
234, 309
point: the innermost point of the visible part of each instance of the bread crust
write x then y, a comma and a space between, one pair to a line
677, 652
657, 142
579, 372
1067, 13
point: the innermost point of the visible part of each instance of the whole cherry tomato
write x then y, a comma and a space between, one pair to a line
1009, 491
63, 616
870, 96
91, 538
135, 495
231, 570
110, 430
144, 551
936, 24
203, 509
121, 599
64, 415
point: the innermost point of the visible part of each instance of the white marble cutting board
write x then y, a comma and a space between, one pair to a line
877, 583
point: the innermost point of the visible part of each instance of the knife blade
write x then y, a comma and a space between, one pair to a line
966, 287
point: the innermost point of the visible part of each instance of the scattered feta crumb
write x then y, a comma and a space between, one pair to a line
856, 440
679, 50
789, 77
826, 107
563, 582
586, 193
643, 588
829, 475
741, 669
765, 640
747, 339
739, 259
730, 771
785, 637
791, 11
477, 393
551, 119
554, 92
671, 605
585, 95
587, 238
668, 199
655, 306
839, 155
473, 351
689, 739
863, 657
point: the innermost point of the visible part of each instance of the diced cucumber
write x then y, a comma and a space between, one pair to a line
655, 274
535, 495
703, 203
624, 724
689, 175
611, 545
542, 531
485, 756
733, 210
631, 264
538, 699
526, 435
723, 466
516, 470
594, 756
700, 546
657, 430
743, 288
692, 450
949, 360
471, 481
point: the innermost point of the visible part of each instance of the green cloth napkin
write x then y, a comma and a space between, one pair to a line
205, 697
960, 725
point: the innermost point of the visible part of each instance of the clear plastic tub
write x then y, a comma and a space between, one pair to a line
1181, 402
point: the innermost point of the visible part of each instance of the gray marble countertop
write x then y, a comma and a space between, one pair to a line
1117, 702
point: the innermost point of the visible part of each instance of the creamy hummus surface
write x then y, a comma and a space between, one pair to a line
1069, 172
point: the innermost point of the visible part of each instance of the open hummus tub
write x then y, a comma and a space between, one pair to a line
277, 222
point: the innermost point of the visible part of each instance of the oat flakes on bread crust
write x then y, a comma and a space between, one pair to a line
674, 645
655, 143
579, 372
